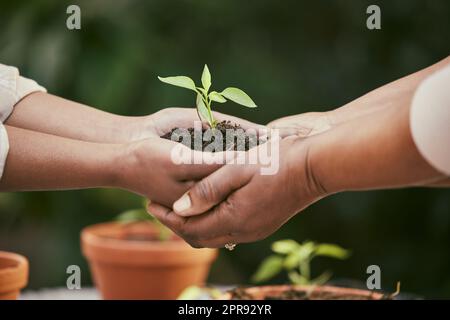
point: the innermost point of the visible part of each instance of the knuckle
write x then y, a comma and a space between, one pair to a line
228, 213
180, 226
205, 191
188, 235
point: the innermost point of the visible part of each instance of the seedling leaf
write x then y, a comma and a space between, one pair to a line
285, 246
203, 91
206, 78
268, 269
238, 96
322, 279
306, 250
134, 215
332, 250
217, 97
180, 81
297, 278
292, 260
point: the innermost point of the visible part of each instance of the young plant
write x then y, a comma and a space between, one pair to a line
138, 215
295, 259
205, 97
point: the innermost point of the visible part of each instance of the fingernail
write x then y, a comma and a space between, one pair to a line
182, 204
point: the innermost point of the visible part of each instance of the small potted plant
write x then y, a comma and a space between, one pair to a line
204, 99
295, 259
13, 275
136, 257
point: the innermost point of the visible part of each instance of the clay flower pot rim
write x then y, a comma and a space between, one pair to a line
263, 291
96, 235
98, 243
14, 275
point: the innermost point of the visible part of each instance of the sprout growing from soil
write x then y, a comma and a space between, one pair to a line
295, 259
205, 97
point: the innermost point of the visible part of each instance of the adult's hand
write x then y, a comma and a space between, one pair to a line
149, 168
237, 204
303, 125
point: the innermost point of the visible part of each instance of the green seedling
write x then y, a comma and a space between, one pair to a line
205, 97
295, 259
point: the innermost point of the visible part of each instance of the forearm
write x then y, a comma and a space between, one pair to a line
385, 96
50, 114
38, 161
371, 152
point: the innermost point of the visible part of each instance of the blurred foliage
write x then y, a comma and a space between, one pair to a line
295, 259
290, 56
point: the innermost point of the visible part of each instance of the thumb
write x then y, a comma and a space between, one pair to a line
211, 190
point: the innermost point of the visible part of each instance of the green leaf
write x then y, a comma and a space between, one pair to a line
217, 97
206, 78
292, 260
285, 246
202, 110
322, 279
297, 278
238, 96
134, 215
203, 91
145, 203
268, 269
306, 250
332, 250
179, 81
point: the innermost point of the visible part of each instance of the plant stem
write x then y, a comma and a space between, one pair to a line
305, 270
208, 106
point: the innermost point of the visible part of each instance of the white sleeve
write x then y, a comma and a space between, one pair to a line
4, 147
13, 88
430, 119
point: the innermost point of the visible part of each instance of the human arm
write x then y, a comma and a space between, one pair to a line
46, 113
372, 151
231, 205
386, 96
38, 161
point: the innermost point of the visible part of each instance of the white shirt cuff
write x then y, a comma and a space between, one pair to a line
4, 147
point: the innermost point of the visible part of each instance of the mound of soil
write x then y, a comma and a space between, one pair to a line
240, 137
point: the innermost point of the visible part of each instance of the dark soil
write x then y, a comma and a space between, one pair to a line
241, 141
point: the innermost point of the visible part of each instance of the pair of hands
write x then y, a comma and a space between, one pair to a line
365, 144
146, 166
233, 203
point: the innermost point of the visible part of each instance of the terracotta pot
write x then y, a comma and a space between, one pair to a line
143, 267
314, 293
13, 275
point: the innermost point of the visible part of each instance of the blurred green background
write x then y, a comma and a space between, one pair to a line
291, 57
